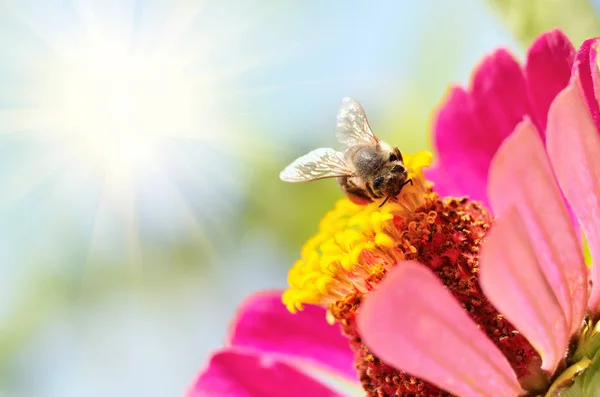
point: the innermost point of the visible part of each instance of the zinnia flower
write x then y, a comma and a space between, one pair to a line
435, 296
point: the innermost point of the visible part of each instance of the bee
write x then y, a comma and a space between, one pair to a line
367, 169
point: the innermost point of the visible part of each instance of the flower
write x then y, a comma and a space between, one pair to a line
470, 125
269, 351
531, 269
435, 296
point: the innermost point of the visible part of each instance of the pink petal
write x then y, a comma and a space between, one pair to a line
263, 323
587, 70
471, 125
514, 281
235, 374
446, 183
413, 323
574, 146
521, 177
548, 70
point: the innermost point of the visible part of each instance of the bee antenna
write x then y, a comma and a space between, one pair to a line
386, 200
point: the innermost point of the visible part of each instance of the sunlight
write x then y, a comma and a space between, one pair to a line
116, 108
127, 107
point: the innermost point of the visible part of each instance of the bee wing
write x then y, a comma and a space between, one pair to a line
352, 127
318, 164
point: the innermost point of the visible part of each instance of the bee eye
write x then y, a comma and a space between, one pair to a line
378, 182
397, 169
393, 157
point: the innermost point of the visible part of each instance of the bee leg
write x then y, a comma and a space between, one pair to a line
355, 194
401, 186
386, 200
370, 190
358, 199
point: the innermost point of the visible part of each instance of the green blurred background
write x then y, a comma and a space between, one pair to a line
140, 148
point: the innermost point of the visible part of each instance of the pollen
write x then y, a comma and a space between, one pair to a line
357, 245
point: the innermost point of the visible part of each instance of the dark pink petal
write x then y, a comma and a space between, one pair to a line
586, 68
263, 323
514, 281
446, 183
574, 148
413, 323
236, 374
548, 70
470, 126
521, 177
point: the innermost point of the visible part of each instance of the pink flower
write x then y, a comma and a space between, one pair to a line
430, 303
471, 124
531, 268
270, 352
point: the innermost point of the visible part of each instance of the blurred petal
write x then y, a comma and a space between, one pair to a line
574, 149
413, 323
586, 68
521, 177
470, 126
514, 281
237, 374
263, 323
548, 70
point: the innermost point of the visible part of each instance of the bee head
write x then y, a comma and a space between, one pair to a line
391, 182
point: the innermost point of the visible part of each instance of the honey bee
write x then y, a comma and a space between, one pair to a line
367, 169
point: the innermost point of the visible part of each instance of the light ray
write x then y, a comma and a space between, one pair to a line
111, 91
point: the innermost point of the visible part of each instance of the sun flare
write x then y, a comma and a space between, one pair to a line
117, 108
126, 104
